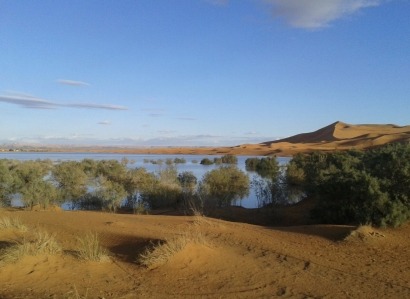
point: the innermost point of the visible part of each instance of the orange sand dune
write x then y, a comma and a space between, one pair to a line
340, 136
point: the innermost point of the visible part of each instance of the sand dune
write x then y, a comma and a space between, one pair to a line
237, 261
336, 136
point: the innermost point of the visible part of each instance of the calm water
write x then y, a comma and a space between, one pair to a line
137, 160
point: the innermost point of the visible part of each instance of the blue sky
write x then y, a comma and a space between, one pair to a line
198, 72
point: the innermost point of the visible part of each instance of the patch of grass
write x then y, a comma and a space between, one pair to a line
12, 223
158, 254
90, 248
41, 243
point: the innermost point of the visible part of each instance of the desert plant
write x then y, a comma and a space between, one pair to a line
158, 254
206, 161
41, 243
14, 223
90, 248
225, 184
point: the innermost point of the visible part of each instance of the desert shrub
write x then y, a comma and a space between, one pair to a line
229, 159
357, 187
12, 223
165, 190
266, 167
71, 180
32, 183
188, 182
158, 254
90, 248
218, 161
138, 181
251, 163
110, 193
206, 161
6, 182
179, 161
42, 243
225, 184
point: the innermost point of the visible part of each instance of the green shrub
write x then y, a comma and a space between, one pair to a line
357, 187
206, 161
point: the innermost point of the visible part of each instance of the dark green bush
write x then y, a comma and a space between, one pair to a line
206, 161
357, 187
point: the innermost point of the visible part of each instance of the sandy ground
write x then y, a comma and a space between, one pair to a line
237, 260
336, 136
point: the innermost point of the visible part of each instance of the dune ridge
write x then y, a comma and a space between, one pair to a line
339, 136
336, 136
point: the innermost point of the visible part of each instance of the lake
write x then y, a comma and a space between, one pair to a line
139, 160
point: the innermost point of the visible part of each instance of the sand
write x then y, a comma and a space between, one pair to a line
237, 260
336, 136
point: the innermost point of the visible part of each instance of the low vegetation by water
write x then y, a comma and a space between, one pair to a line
349, 187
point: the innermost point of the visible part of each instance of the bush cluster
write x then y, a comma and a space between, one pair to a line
110, 185
357, 187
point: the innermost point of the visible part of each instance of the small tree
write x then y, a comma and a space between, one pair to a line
226, 184
165, 191
111, 194
6, 183
31, 182
71, 180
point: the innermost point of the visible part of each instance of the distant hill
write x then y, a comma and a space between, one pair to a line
340, 136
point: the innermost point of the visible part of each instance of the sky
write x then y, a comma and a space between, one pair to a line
198, 72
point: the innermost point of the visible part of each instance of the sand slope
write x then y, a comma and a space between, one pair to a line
238, 260
339, 136
336, 136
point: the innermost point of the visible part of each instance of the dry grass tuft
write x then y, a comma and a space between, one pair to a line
41, 243
158, 254
364, 233
12, 223
90, 248
74, 294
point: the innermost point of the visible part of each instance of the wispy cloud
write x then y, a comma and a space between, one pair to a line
95, 106
104, 122
315, 14
27, 101
32, 102
73, 83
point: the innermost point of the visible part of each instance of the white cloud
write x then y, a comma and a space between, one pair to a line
32, 102
312, 14
72, 83
27, 101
